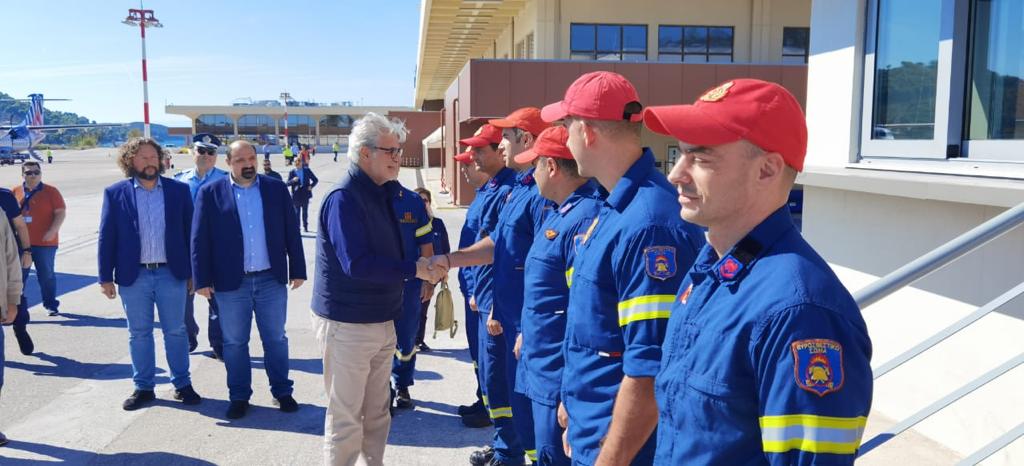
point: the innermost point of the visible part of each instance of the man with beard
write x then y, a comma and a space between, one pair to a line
144, 249
249, 276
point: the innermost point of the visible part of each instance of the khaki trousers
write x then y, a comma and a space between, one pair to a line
357, 379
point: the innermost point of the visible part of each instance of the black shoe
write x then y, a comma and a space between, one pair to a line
138, 399
477, 407
3, 439
424, 348
24, 340
215, 355
286, 404
476, 420
402, 399
237, 409
193, 343
52, 312
187, 395
482, 457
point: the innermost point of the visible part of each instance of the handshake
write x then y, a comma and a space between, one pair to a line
433, 269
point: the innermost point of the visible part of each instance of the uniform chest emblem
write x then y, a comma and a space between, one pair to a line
660, 262
818, 365
729, 268
686, 294
407, 218
550, 234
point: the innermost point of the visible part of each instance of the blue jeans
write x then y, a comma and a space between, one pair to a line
156, 287
43, 257
264, 296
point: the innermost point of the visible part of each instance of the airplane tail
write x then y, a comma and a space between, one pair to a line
34, 116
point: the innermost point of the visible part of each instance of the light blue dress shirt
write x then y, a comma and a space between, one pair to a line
249, 204
149, 204
194, 181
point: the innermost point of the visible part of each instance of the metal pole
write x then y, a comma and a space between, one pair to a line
145, 83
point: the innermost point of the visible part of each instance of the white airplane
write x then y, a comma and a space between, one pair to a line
18, 139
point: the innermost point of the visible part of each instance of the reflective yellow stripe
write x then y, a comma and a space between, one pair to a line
532, 455
568, 277
658, 306
424, 229
810, 433
404, 358
485, 399
498, 413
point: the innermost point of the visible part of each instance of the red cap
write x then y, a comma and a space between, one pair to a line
601, 95
465, 157
484, 136
764, 113
550, 143
526, 119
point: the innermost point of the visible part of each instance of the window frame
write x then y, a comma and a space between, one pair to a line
596, 52
682, 54
807, 47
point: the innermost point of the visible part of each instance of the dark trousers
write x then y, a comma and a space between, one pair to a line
22, 319
213, 324
302, 213
424, 308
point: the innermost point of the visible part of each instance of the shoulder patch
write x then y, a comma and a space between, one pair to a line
818, 365
660, 262
730, 267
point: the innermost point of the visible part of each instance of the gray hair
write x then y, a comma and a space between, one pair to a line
367, 129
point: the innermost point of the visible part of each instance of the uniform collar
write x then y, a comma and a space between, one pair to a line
502, 177
525, 178
255, 182
624, 191
588, 190
733, 265
363, 181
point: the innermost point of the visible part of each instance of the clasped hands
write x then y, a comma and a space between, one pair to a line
433, 269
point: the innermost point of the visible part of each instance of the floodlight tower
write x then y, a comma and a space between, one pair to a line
143, 19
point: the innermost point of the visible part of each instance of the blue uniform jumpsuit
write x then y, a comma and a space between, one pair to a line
466, 275
415, 228
543, 320
492, 373
766, 360
628, 267
213, 324
520, 218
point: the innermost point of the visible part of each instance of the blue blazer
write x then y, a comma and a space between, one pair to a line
217, 251
119, 244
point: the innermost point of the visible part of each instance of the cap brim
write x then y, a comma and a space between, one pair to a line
553, 112
465, 157
526, 156
475, 141
204, 144
689, 124
502, 123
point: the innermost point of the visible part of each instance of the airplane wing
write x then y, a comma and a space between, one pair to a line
60, 127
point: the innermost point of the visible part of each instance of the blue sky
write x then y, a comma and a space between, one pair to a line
209, 52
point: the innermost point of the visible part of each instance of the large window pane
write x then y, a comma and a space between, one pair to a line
670, 39
609, 38
720, 40
996, 93
634, 39
695, 40
795, 41
582, 37
906, 69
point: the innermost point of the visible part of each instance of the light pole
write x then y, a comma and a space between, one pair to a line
143, 19
285, 96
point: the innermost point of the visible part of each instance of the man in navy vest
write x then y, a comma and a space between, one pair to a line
144, 249
361, 270
246, 247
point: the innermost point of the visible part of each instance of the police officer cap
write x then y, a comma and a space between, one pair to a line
206, 140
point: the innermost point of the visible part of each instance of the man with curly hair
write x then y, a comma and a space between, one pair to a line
144, 249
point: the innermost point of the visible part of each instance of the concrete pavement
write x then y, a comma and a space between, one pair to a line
63, 404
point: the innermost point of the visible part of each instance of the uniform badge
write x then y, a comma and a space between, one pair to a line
550, 234
730, 267
717, 93
528, 180
818, 365
686, 294
660, 262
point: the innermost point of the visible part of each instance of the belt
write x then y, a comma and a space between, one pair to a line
154, 265
257, 272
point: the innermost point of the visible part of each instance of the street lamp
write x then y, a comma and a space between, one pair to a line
143, 19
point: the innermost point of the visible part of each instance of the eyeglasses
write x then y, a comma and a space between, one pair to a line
392, 151
33, 173
206, 151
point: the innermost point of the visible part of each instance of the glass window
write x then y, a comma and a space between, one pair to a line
608, 42
695, 40
795, 44
215, 124
906, 70
670, 39
695, 44
720, 40
996, 89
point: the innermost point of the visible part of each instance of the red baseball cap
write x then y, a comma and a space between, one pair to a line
601, 95
764, 113
484, 136
465, 157
550, 143
526, 119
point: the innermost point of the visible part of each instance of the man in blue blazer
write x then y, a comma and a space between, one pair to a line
144, 249
246, 247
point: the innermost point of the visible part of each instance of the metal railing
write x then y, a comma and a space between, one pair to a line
920, 268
